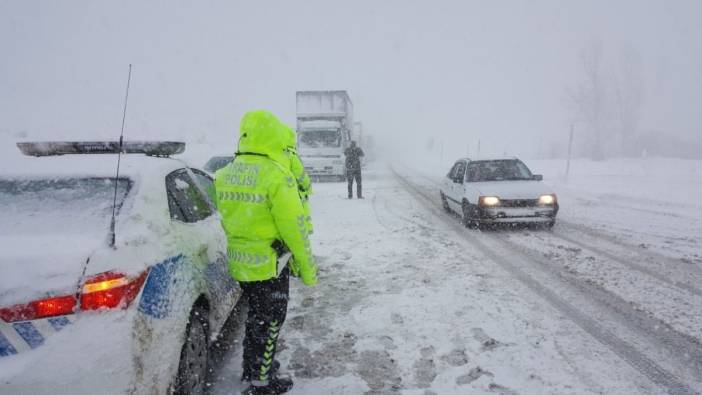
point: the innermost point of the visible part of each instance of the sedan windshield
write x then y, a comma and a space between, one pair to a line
497, 170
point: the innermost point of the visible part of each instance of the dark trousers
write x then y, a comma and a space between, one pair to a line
352, 174
268, 306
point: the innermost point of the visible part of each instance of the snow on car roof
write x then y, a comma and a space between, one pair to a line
98, 165
489, 158
142, 224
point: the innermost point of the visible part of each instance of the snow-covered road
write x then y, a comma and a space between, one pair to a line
411, 302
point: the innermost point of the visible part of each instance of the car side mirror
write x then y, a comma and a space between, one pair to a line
458, 180
537, 177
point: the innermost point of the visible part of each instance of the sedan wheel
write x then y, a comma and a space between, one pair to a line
192, 370
444, 203
470, 216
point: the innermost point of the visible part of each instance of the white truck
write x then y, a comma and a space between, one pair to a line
324, 130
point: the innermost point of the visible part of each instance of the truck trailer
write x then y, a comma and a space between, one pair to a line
324, 130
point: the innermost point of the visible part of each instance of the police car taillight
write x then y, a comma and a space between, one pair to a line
106, 290
42, 308
110, 290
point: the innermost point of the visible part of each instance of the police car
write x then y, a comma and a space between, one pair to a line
92, 305
498, 190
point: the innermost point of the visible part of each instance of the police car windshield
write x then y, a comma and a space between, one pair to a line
497, 170
74, 205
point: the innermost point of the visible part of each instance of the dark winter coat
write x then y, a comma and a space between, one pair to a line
353, 158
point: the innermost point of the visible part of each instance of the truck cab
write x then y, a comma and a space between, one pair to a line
324, 124
321, 145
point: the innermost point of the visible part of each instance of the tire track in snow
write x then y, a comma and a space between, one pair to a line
631, 265
392, 210
609, 239
658, 332
623, 349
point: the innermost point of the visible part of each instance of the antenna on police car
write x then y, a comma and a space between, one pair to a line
119, 158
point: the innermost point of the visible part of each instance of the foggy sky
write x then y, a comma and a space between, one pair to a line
456, 70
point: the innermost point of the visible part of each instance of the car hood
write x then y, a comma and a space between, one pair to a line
512, 189
37, 266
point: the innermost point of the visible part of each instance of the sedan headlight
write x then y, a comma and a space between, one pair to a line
547, 200
489, 201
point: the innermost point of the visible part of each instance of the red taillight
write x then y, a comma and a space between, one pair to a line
55, 306
109, 290
106, 290
42, 308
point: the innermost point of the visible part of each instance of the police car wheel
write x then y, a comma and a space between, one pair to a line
192, 369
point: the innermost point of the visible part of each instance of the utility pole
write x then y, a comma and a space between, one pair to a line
540, 149
441, 154
477, 156
570, 149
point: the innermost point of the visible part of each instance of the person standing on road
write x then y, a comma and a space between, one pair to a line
263, 219
353, 169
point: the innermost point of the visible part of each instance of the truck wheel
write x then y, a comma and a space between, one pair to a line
444, 202
194, 356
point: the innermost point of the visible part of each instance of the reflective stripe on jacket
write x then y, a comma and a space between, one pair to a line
304, 185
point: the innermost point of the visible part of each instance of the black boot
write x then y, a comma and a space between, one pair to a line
276, 385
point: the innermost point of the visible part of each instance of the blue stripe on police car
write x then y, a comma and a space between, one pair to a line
155, 300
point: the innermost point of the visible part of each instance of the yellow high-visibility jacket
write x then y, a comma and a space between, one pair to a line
258, 199
304, 183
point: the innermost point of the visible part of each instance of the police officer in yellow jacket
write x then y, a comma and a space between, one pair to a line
263, 218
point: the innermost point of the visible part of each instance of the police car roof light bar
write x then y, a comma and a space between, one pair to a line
55, 148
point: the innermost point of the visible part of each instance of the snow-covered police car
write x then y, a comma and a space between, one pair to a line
89, 304
497, 190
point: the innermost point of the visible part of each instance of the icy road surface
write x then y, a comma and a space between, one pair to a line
411, 302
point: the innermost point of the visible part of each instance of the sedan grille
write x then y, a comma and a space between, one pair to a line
519, 202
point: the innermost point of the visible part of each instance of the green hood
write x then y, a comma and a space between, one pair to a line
261, 133
290, 137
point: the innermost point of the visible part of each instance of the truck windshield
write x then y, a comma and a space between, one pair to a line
319, 138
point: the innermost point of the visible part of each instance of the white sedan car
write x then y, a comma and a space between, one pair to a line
498, 190
87, 307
